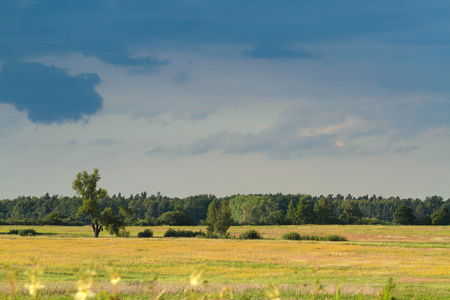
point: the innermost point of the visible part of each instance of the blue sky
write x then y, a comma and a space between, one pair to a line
225, 97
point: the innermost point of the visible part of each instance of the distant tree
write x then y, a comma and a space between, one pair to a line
351, 213
305, 211
250, 213
175, 218
211, 216
223, 219
253, 209
323, 211
291, 213
85, 185
404, 215
218, 220
56, 218
433, 203
441, 218
197, 206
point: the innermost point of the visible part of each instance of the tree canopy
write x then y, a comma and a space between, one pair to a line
272, 209
85, 185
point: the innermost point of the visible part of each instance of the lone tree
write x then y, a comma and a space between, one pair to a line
223, 219
211, 216
218, 219
86, 186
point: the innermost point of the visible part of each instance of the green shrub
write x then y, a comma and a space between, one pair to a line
371, 221
335, 238
329, 238
310, 237
123, 233
147, 233
291, 236
175, 218
27, 232
183, 233
211, 235
14, 231
250, 235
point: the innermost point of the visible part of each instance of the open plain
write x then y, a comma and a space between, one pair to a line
416, 257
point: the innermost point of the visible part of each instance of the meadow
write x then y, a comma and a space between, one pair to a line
416, 257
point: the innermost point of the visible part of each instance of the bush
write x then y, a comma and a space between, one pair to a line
14, 231
370, 221
329, 238
211, 235
250, 235
291, 236
146, 222
27, 232
123, 233
183, 233
147, 233
56, 218
334, 238
175, 218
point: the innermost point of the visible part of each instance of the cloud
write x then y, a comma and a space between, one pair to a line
48, 94
350, 124
112, 32
109, 32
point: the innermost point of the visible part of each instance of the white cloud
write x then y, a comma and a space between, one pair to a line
350, 125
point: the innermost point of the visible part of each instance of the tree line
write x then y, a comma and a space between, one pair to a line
251, 209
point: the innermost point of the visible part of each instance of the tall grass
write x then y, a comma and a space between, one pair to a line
198, 288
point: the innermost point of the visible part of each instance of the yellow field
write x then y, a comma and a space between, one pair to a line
416, 257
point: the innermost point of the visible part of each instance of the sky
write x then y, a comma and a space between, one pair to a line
226, 97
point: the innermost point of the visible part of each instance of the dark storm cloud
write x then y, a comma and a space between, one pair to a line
48, 94
110, 30
413, 55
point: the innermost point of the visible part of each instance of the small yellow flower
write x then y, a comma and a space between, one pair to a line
35, 285
84, 286
84, 295
273, 293
196, 279
34, 288
114, 274
115, 279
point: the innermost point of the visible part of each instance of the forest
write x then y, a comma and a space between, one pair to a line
251, 209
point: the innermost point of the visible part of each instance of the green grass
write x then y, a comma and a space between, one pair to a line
415, 256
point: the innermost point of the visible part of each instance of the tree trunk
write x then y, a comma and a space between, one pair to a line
96, 228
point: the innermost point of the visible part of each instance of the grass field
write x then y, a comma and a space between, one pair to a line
416, 257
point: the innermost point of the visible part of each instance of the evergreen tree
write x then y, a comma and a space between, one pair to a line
291, 213
223, 219
211, 216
